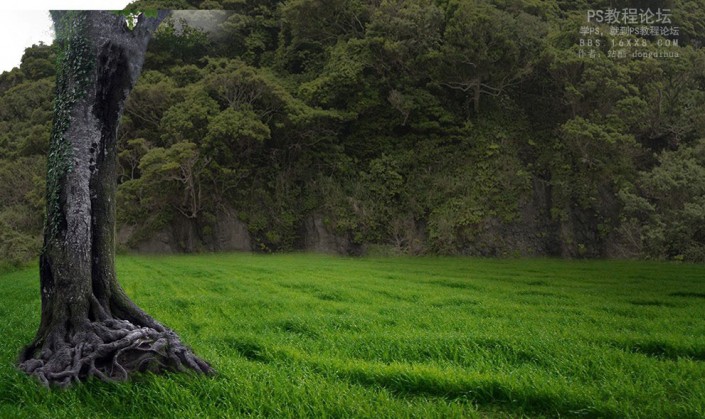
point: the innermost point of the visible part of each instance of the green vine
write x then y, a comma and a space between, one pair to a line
73, 76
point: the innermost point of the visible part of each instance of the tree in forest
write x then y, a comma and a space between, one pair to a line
487, 50
89, 327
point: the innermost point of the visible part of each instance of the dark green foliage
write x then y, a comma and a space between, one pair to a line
664, 215
176, 43
38, 61
251, 32
21, 208
418, 126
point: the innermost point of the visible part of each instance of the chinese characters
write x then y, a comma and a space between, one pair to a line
629, 32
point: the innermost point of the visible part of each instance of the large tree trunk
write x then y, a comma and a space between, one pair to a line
89, 327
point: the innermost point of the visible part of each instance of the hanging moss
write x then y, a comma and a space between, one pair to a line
73, 76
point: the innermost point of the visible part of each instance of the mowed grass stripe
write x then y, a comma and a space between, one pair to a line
317, 336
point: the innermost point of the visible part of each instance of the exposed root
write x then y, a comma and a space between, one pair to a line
109, 350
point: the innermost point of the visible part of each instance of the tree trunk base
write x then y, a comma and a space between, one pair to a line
109, 350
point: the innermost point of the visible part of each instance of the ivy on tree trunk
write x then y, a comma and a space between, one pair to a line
89, 327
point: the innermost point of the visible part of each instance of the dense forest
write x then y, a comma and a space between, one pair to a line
493, 128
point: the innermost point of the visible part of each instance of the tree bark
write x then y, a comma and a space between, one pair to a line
476, 97
89, 327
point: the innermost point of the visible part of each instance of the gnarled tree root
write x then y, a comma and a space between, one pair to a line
109, 350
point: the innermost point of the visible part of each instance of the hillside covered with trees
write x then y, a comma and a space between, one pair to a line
446, 127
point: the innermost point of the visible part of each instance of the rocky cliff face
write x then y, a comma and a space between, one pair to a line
229, 233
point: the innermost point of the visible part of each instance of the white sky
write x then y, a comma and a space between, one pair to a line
28, 22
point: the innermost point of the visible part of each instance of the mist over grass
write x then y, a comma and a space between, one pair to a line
315, 336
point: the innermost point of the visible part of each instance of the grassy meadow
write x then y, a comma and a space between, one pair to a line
317, 336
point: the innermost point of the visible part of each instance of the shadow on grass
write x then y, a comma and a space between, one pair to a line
332, 296
249, 349
662, 350
688, 294
484, 391
537, 283
456, 302
450, 283
543, 294
651, 303
298, 327
511, 353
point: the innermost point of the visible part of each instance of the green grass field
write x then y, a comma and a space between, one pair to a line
316, 336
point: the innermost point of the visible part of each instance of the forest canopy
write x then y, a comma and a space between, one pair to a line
494, 128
